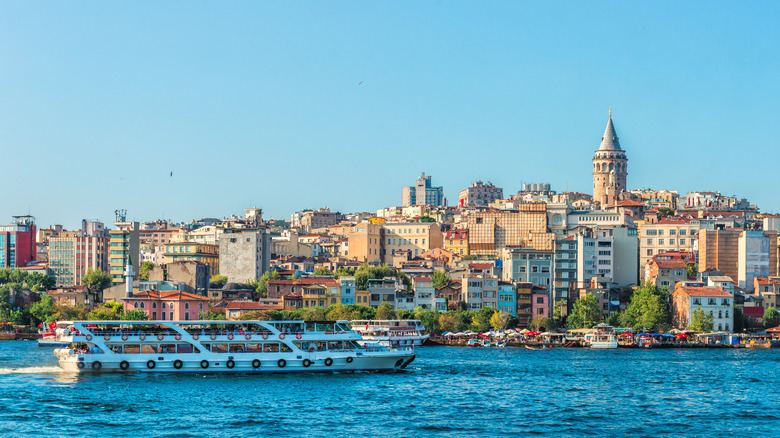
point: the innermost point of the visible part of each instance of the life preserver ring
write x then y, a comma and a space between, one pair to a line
256, 363
311, 349
96, 365
328, 362
230, 363
80, 365
213, 336
306, 363
230, 336
282, 363
151, 364
195, 336
248, 336
88, 337
177, 336
142, 336
265, 335
204, 364
106, 336
124, 365
124, 336
298, 336
281, 335
349, 359
160, 336
178, 364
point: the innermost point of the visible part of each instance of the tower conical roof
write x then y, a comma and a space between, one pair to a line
610, 142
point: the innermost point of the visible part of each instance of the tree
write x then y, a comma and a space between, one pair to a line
221, 279
37, 281
440, 279
144, 270
262, 284
447, 323
345, 272
314, 314
385, 311
43, 310
429, 319
322, 270
211, 315
371, 272
559, 312
107, 312
96, 280
481, 321
649, 307
426, 219
134, 315
692, 269
771, 317
663, 212
500, 320
740, 322
701, 321
585, 312
340, 312
539, 322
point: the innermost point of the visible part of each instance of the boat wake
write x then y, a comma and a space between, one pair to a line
31, 370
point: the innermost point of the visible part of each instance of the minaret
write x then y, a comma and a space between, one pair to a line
610, 168
129, 277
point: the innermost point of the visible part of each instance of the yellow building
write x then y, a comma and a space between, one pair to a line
194, 251
457, 241
361, 297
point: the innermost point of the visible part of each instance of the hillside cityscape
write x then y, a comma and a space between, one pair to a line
536, 258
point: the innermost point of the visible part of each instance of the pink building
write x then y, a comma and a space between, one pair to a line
168, 305
540, 304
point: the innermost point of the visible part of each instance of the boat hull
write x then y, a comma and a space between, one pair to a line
150, 363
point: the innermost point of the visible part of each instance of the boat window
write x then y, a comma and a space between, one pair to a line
254, 348
187, 348
285, 348
132, 349
116, 348
334, 345
219, 348
148, 349
237, 348
168, 348
271, 347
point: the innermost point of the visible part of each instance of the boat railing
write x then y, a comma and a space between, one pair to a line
265, 334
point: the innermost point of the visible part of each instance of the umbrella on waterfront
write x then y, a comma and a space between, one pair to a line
667, 335
447, 334
643, 335
524, 331
484, 335
625, 335
533, 333
682, 335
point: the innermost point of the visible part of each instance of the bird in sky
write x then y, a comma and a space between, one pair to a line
171, 173
360, 83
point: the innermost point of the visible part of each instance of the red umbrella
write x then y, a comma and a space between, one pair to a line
682, 335
626, 334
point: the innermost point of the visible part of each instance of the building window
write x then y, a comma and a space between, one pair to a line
154, 306
186, 306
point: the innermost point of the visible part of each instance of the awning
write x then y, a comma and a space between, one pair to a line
614, 303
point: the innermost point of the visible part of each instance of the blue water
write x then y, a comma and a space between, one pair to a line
447, 391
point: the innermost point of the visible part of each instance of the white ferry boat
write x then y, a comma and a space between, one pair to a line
603, 337
392, 333
220, 346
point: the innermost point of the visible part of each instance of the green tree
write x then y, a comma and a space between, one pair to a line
440, 279
314, 314
664, 212
323, 271
559, 312
262, 284
426, 219
211, 315
340, 312
345, 272
771, 317
96, 280
144, 270
371, 272
429, 319
585, 312
740, 322
64, 312
701, 321
539, 323
43, 310
385, 311
221, 279
692, 269
134, 315
649, 307
107, 312
37, 281
500, 320
447, 323
481, 321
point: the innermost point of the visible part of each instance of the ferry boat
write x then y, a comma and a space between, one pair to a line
221, 346
392, 332
603, 337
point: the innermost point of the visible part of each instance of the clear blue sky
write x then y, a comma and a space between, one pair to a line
260, 103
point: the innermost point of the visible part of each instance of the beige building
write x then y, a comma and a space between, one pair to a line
666, 235
491, 231
379, 242
719, 249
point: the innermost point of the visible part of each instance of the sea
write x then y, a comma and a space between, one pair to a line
447, 391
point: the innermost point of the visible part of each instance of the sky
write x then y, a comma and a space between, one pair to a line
288, 105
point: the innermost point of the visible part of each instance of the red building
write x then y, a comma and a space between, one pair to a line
18, 242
